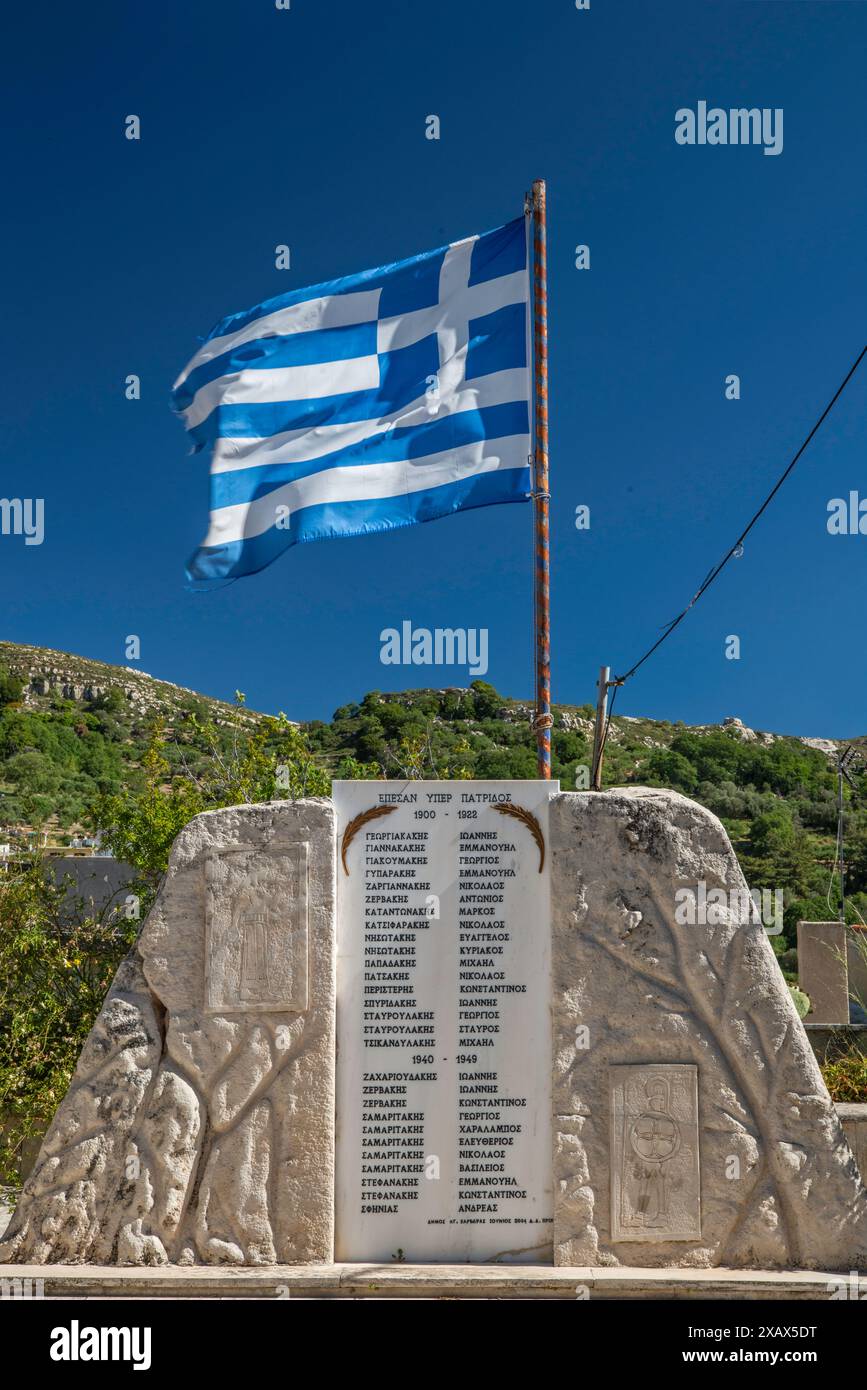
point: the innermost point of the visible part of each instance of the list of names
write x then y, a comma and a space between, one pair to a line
444, 1051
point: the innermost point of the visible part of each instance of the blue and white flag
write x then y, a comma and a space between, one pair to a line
375, 401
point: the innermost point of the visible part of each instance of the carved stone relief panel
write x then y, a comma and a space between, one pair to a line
256, 922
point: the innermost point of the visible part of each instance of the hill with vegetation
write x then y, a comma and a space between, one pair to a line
72, 728
75, 736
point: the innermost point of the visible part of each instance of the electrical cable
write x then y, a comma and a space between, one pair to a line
706, 583
712, 574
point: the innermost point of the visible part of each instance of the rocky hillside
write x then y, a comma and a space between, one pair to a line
71, 729
47, 676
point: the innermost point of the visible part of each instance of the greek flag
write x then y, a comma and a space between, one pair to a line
374, 401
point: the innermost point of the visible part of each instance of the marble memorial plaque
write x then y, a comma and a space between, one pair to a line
443, 1021
256, 931
655, 1183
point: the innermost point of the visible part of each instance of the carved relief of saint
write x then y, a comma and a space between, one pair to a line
655, 1169
258, 928
255, 954
256, 932
654, 1137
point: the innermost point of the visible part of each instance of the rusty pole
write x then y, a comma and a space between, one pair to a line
599, 726
542, 583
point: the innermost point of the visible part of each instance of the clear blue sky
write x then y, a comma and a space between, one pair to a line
306, 127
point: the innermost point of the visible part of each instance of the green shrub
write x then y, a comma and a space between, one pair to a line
846, 1077
800, 1001
57, 961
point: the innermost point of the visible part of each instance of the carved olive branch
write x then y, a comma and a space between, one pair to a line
508, 808
356, 824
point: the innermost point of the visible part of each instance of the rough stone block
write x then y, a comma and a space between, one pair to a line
199, 1124
854, 1121
822, 971
649, 994
856, 962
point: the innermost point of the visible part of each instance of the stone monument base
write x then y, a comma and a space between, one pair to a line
561, 1032
405, 1281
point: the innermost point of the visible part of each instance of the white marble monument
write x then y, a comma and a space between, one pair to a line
479, 1001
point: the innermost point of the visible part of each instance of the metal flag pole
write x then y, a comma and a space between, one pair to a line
542, 720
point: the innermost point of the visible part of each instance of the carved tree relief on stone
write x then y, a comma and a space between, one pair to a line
199, 1125
256, 921
779, 1186
655, 1182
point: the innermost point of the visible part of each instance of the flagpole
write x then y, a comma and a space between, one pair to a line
542, 720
